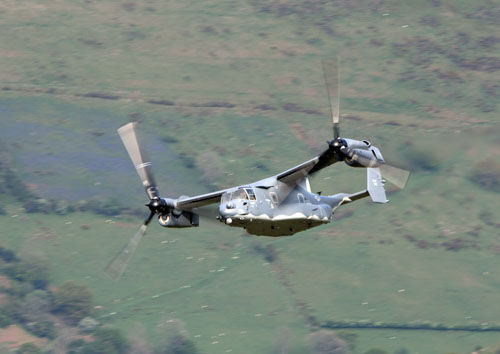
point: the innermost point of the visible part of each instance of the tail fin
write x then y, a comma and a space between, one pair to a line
375, 185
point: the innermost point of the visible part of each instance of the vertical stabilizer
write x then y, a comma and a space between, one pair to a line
375, 185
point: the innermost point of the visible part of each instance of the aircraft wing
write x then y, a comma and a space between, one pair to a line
201, 200
297, 173
291, 176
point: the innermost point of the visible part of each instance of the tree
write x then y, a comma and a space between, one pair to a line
402, 351
106, 341
72, 301
87, 324
376, 351
7, 255
487, 175
176, 340
28, 348
327, 342
38, 271
43, 328
180, 344
32, 311
138, 343
349, 337
76, 347
33, 270
4, 320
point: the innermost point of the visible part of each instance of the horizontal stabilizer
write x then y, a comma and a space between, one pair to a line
376, 185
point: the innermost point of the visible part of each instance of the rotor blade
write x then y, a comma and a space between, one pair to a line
395, 175
332, 79
118, 265
142, 165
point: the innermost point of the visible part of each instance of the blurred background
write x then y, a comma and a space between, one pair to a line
226, 93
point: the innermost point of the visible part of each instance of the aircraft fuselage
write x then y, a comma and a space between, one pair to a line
273, 208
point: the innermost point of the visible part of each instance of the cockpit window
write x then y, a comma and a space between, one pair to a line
241, 193
226, 197
251, 194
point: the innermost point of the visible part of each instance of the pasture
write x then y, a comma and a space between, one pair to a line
230, 92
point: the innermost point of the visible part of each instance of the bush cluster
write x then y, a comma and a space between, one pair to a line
486, 174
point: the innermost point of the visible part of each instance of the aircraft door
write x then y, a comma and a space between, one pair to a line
274, 199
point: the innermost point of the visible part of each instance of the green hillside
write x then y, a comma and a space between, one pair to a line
228, 92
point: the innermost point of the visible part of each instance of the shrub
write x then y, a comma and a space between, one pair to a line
19, 289
179, 344
402, 351
38, 272
28, 348
376, 351
109, 341
108, 207
423, 159
16, 271
76, 347
486, 174
33, 270
44, 329
72, 301
87, 324
4, 320
176, 340
326, 342
14, 184
8, 256
35, 306
349, 337
106, 341
169, 139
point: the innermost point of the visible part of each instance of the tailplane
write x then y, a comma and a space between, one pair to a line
375, 185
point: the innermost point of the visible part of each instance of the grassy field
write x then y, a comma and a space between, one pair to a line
230, 92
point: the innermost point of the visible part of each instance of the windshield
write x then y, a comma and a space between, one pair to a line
251, 194
241, 193
226, 197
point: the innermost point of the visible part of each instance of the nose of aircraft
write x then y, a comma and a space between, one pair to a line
227, 210
232, 208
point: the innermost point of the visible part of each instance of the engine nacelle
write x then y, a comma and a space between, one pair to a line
356, 144
361, 158
353, 163
179, 219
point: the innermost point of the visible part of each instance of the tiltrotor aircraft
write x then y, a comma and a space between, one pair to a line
280, 205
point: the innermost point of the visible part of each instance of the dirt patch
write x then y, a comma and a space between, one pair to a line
14, 337
301, 135
8, 54
450, 115
32, 186
4, 281
469, 281
124, 224
3, 299
44, 233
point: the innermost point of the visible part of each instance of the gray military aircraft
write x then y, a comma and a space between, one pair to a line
280, 205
